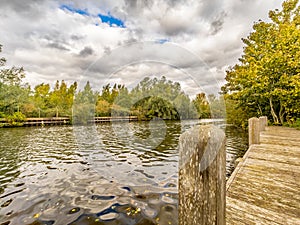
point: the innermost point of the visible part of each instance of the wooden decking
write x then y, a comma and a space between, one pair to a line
265, 186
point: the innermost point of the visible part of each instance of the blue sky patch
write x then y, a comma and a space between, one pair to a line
74, 10
162, 41
109, 19
112, 21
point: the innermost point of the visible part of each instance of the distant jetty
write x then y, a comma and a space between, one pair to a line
51, 121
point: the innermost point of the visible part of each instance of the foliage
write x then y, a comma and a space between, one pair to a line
267, 79
294, 123
103, 108
161, 98
235, 114
12, 92
150, 99
61, 98
209, 107
202, 105
16, 119
84, 105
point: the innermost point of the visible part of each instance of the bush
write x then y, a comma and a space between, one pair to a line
2, 115
16, 119
296, 124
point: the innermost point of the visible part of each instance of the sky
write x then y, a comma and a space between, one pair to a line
190, 41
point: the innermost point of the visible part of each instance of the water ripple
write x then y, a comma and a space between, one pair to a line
48, 177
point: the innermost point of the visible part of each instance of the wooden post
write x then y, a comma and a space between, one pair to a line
254, 130
202, 176
263, 122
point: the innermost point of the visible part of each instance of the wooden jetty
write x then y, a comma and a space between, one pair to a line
47, 121
265, 186
51, 121
115, 118
263, 189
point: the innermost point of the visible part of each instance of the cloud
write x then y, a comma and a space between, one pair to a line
26, 8
74, 10
62, 40
217, 23
57, 46
87, 51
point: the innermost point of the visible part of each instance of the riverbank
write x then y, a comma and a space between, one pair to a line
52, 121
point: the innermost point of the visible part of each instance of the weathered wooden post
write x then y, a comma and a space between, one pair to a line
254, 130
202, 176
263, 122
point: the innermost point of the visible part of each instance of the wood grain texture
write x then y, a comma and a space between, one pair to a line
202, 178
265, 186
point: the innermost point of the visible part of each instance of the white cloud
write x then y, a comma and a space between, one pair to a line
52, 43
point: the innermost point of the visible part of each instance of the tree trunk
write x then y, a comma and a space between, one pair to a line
260, 110
275, 117
281, 114
56, 112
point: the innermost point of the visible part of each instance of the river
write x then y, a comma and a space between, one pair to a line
110, 173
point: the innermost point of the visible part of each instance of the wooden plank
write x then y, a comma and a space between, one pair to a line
288, 180
264, 188
270, 154
247, 213
266, 196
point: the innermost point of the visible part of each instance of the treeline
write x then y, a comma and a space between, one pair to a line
151, 98
267, 79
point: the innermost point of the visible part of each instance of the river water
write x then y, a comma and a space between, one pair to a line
110, 173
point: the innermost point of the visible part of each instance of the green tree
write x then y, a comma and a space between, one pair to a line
267, 79
185, 107
84, 105
202, 105
61, 98
160, 98
41, 98
13, 93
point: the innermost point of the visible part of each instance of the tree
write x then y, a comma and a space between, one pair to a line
41, 98
160, 98
84, 105
61, 98
267, 79
13, 93
202, 106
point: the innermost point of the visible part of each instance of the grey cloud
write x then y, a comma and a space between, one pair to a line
76, 37
137, 6
141, 53
175, 26
187, 23
87, 51
107, 50
29, 8
56, 36
217, 24
57, 46
208, 9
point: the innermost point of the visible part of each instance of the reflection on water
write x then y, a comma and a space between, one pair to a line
107, 174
